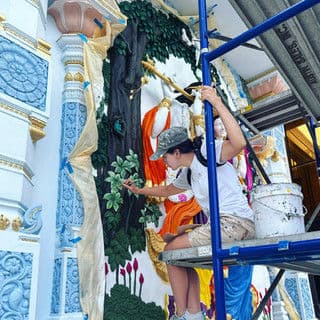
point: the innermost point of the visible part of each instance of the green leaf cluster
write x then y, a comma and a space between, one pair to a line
150, 213
117, 239
163, 33
122, 305
118, 250
137, 240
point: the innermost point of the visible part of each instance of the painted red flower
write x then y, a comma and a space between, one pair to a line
129, 267
135, 264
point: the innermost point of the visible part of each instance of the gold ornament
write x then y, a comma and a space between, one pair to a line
165, 103
78, 77
68, 77
16, 223
4, 222
36, 129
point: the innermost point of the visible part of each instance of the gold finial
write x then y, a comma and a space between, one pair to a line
4, 222
16, 223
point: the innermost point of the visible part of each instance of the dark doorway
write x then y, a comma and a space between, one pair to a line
303, 169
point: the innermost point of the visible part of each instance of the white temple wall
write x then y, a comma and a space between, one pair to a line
35, 23
46, 167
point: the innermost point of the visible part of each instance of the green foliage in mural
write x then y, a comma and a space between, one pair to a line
122, 305
119, 235
163, 33
150, 213
118, 250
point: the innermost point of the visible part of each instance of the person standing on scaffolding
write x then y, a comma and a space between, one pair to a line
236, 217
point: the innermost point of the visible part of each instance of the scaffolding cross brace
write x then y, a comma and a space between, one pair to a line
206, 57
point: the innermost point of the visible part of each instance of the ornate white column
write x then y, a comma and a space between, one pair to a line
77, 20
69, 216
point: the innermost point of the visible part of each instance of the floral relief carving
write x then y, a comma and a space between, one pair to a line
70, 208
15, 284
23, 75
72, 288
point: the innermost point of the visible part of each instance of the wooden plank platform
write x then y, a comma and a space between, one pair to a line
300, 252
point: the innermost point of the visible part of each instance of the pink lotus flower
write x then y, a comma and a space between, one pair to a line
135, 264
123, 272
129, 267
141, 279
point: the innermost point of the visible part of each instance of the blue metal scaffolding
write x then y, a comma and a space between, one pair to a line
263, 254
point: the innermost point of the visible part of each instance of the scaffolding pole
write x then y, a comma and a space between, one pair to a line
206, 57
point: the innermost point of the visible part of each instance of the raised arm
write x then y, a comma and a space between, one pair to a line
160, 191
235, 140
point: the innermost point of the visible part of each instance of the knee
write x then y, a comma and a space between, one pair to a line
167, 247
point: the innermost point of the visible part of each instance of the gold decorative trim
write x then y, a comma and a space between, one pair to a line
2, 18
19, 36
260, 75
36, 129
40, 45
68, 77
44, 47
16, 224
4, 222
13, 110
8, 162
78, 77
12, 165
74, 62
